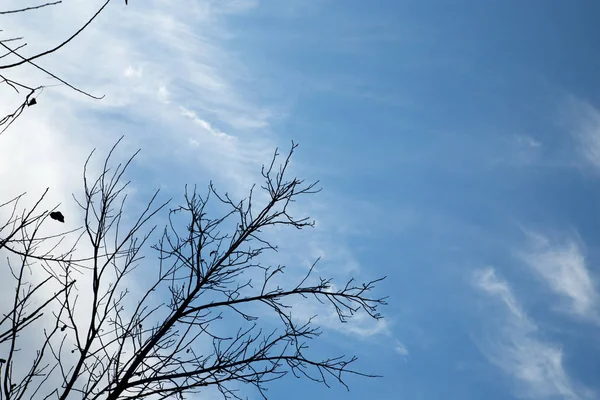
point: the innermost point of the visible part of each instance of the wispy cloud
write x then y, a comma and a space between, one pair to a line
516, 346
152, 61
401, 349
171, 85
583, 121
528, 141
562, 266
488, 281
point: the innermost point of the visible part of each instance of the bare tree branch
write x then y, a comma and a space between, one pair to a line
29, 98
19, 10
212, 314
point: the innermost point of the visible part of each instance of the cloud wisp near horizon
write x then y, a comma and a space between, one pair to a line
457, 145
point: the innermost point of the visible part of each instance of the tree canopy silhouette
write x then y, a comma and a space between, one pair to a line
96, 313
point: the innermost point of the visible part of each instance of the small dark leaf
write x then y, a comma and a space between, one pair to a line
32, 102
57, 215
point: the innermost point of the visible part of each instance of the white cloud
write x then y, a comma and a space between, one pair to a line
562, 266
133, 72
151, 61
401, 349
205, 125
583, 121
488, 281
163, 94
169, 82
528, 141
516, 347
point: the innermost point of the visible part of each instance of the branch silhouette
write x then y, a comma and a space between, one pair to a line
30, 91
212, 314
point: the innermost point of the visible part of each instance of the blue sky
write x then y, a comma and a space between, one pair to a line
458, 145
